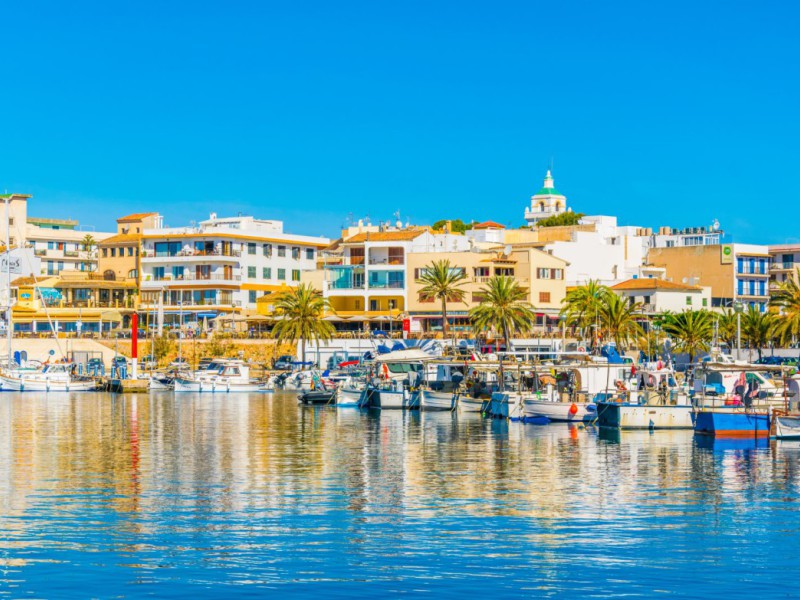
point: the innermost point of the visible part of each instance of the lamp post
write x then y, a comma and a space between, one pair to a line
738, 307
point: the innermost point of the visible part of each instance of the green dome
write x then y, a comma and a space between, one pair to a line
545, 191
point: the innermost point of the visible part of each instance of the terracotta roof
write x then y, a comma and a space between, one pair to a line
488, 225
120, 238
386, 236
135, 217
650, 283
28, 280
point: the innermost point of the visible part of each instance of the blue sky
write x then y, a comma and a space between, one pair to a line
663, 113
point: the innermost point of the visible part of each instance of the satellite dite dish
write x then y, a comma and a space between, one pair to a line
507, 250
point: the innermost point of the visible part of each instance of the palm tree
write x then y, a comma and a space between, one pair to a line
301, 310
691, 331
758, 328
504, 308
726, 327
582, 305
618, 319
88, 242
443, 282
787, 299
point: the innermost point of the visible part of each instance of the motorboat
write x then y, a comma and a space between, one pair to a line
351, 392
231, 376
317, 397
56, 377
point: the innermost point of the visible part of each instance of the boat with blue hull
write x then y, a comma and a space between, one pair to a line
732, 423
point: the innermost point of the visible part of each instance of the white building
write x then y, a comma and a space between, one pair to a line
222, 265
659, 295
547, 202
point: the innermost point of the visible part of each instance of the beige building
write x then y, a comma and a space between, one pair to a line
118, 255
734, 272
539, 272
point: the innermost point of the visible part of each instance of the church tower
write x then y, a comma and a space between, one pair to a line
547, 202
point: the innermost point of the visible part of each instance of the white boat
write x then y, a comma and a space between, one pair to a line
432, 400
52, 378
160, 383
393, 397
468, 404
232, 376
351, 392
567, 412
785, 426
657, 403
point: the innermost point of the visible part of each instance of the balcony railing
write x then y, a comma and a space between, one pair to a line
192, 277
746, 270
382, 285
190, 253
71, 253
387, 261
40, 252
782, 266
345, 285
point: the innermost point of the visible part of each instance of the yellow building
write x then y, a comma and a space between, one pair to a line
72, 301
541, 274
118, 255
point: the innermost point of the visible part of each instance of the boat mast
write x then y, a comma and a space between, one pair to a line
8, 279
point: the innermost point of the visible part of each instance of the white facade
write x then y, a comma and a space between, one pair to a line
547, 202
658, 296
223, 264
372, 273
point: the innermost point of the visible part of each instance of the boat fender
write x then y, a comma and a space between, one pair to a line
573, 410
590, 408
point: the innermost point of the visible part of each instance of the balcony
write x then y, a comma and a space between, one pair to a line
71, 253
151, 281
754, 272
344, 283
151, 255
387, 261
386, 285
40, 252
782, 266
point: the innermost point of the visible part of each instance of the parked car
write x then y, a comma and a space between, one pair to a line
284, 363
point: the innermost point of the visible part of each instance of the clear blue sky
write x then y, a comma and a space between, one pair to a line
664, 113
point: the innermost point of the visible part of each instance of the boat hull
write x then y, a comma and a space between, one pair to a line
470, 404
348, 396
14, 384
566, 412
430, 400
786, 428
390, 399
732, 423
643, 416
214, 387
507, 406
318, 397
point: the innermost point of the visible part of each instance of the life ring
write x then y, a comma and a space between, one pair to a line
581, 348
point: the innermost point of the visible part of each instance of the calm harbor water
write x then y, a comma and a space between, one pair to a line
251, 495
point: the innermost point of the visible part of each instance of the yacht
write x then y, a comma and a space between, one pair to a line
230, 376
56, 377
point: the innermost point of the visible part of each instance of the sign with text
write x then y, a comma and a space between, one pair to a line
14, 261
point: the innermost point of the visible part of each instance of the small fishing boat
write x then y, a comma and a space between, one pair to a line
351, 391
393, 397
732, 422
52, 378
785, 426
232, 376
317, 397
432, 400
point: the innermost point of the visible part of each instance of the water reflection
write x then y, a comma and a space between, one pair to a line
233, 491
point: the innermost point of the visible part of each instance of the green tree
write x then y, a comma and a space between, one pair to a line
618, 319
456, 225
442, 282
565, 219
88, 244
504, 308
787, 299
726, 327
690, 331
582, 305
758, 328
301, 311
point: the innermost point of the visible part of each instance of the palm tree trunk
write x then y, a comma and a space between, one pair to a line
303, 352
444, 317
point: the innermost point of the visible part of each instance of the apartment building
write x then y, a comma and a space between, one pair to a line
366, 275
118, 255
734, 272
221, 265
539, 273
784, 262
659, 295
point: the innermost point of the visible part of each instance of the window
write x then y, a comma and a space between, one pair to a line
133, 273
425, 299
504, 271
295, 274
105, 252
310, 253
544, 297
267, 249
688, 300
60, 265
11, 221
295, 253
558, 273
130, 250
158, 273
251, 248
113, 252
282, 274
705, 302
266, 273
251, 272
281, 251
481, 271
167, 248
177, 272
543, 273
251, 295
